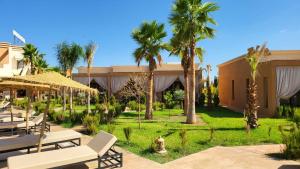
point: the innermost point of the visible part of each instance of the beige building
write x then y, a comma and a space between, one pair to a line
114, 78
11, 63
278, 79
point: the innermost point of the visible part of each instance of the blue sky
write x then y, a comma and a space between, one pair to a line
241, 24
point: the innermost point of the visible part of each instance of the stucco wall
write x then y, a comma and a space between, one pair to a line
239, 70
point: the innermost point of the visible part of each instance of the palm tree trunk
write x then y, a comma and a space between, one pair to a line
44, 121
191, 117
186, 92
148, 114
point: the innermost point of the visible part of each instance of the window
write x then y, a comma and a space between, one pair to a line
232, 89
247, 91
266, 93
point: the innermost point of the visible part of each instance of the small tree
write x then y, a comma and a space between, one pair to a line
136, 88
252, 58
169, 99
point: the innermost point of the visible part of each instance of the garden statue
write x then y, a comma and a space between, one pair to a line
160, 145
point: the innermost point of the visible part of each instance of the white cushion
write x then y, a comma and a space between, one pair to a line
50, 159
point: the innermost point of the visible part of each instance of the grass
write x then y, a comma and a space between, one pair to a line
229, 130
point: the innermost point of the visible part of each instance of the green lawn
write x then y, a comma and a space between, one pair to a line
228, 126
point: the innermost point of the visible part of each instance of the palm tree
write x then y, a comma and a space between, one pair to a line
252, 58
191, 18
180, 48
40, 64
149, 38
62, 54
30, 55
90, 50
76, 52
68, 56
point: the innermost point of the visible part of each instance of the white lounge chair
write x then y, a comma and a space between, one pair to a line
7, 118
99, 148
4, 105
33, 124
31, 141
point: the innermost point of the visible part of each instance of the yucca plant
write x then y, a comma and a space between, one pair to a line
127, 133
252, 57
291, 140
183, 138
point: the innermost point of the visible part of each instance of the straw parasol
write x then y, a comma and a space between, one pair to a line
49, 81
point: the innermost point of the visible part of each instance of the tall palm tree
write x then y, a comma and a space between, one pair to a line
149, 37
30, 55
62, 54
180, 48
252, 58
76, 52
68, 56
191, 18
90, 50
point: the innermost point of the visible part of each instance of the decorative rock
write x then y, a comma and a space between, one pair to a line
160, 145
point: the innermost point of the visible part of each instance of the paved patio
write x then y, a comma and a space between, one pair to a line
241, 157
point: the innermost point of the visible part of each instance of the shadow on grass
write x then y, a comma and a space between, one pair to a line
130, 114
219, 112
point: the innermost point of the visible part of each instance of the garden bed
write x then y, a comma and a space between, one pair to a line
219, 127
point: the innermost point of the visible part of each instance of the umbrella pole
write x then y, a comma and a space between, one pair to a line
28, 109
11, 109
44, 120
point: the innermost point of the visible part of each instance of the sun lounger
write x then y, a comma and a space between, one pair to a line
7, 118
99, 148
31, 141
33, 124
4, 106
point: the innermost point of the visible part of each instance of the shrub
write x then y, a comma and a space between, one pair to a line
111, 128
170, 103
178, 96
132, 105
20, 102
112, 100
39, 107
127, 133
100, 108
76, 117
118, 110
216, 100
158, 106
296, 118
291, 141
57, 117
91, 122
142, 107
202, 99
152, 146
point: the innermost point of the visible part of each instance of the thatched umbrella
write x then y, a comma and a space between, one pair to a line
16, 85
52, 81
